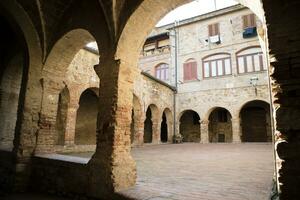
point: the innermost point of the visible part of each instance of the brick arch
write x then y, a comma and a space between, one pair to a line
258, 130
207, 114
220, 125
183, 111
29, 41
189, 126
242, 105
64, 51
86, 119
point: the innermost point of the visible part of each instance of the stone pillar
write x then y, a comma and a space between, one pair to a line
138, 131
71, 124
112, 167
47, 136
204, 131
236, 130
156, 131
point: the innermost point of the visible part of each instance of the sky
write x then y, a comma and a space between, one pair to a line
194, 8
197, 7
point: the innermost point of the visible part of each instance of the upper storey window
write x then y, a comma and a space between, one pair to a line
249, 21
217, 65
214, 29
190, 70
214, 33
249, 25
250, 60
162, 71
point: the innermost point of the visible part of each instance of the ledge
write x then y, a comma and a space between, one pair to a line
65, 158
159, 81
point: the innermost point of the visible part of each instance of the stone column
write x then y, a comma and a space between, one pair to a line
138, 131
204, 131
112, 167
156, 131
47, 136
236, 130
71, 124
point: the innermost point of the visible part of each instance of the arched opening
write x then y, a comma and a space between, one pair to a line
220, 126
61, 117
148, 127
164, 129
190, 126
13, 65
86, 120
255, 122
132, 131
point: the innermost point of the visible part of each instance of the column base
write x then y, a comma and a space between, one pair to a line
110, 175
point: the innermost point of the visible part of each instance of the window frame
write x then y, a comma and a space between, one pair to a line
195, 76
214, 29
216, 60
244, 56
249, 21
159, 68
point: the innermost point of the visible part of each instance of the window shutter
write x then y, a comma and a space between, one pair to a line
185, 71
252, 20
193, 70
210, 30
245, 21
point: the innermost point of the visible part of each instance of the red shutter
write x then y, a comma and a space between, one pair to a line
185, 71
252, 20
193, 70
210, 30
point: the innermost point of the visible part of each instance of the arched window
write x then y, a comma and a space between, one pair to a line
190, 70
250, 60
162, 71
217, 65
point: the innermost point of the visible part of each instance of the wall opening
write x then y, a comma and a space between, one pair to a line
148, 127
220, 126
255, 122
190, 126
164, 129
86, 120
12, 65
132, 131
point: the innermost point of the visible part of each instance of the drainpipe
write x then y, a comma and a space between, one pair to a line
175, 65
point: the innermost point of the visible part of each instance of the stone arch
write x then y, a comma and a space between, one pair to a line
256, 122
150, 124
220, 125
86, 119
74, 40
54, 77
62, 114
166, 129
189, 126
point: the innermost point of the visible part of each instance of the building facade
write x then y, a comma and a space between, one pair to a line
218, 67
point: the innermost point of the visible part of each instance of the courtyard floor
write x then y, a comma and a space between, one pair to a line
201, 172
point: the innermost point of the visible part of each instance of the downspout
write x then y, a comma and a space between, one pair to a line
176, 86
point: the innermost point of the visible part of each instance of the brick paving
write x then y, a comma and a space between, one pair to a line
203, 171
198, 172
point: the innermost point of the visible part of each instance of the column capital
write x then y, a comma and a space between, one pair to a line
203, 121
